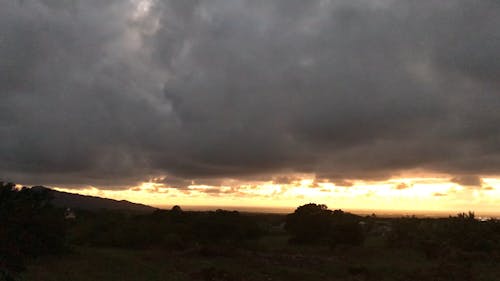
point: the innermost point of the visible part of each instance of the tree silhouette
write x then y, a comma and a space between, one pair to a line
309, 224
314, 223
176, 209
30, 226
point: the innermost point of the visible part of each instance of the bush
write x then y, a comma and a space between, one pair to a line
347, 233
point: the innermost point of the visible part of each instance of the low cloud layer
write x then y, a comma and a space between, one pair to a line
118, 92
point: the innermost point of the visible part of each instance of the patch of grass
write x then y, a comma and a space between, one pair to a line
274, 260
103, 264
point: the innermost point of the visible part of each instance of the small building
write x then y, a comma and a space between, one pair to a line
69, 214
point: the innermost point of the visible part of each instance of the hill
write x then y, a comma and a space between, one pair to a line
93, 203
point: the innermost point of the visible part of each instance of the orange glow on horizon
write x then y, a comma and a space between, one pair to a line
416, 193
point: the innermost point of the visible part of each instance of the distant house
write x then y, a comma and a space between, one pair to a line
69, 214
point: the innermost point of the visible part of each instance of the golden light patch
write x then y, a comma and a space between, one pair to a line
414, 193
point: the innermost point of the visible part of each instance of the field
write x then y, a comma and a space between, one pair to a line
270, 258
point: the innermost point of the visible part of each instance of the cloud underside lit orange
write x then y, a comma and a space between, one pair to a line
419, 194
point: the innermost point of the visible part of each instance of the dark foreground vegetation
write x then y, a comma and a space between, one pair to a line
42, 242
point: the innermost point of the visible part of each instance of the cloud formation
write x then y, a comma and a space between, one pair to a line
116, 93
469, 181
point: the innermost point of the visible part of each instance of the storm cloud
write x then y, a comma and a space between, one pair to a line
113, 93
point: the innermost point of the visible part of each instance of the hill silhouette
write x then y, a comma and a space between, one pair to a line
92, 203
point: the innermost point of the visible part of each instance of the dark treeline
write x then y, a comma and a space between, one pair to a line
447, 236
32, 227
169, 229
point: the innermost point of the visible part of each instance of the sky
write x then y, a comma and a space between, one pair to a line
376, 104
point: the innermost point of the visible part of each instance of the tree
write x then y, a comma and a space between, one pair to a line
30, 226
176, 209
309, 224
315, 224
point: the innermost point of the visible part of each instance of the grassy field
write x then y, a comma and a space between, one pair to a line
269, 259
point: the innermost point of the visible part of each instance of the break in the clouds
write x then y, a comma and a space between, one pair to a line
112, 93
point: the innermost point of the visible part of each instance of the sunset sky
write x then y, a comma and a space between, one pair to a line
366, 105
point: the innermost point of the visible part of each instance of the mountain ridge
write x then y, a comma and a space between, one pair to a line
92, 203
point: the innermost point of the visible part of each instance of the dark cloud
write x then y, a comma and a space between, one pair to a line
402, 186
180, 182
344, 183
286, 179
204, 91
468, 180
